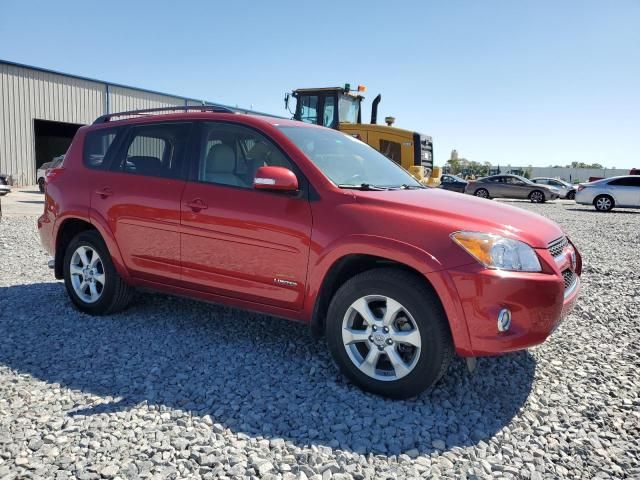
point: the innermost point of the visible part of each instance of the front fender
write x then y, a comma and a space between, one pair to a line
413, 257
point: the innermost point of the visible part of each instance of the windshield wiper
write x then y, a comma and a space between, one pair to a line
404, 186
362, 186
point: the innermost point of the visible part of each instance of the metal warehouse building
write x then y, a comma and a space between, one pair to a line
40, 111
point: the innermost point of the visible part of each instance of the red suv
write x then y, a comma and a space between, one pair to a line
306, 223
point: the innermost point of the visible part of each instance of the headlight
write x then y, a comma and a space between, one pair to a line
494, 251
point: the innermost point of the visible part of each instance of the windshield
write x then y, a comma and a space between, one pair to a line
346, 161
348, 109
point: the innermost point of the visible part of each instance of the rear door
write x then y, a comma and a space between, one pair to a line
237, 241
626, 191
495, 185
139, 197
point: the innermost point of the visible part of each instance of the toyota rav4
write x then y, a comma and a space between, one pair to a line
309, 224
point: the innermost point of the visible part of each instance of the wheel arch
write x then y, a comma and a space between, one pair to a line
72, 226
68, 229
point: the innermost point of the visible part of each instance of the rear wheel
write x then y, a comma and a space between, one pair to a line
536, 196
482, 193
388, 333
41, 184
92, 282
603, 203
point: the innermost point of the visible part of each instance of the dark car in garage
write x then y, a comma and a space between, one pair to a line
453, 183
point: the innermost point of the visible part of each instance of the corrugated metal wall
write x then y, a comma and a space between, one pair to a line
122, 99
27, 94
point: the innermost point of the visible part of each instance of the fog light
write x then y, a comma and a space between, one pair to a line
504, 320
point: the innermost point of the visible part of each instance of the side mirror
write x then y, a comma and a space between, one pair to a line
286, 101
276, 179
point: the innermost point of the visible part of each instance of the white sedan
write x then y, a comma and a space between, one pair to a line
605, 194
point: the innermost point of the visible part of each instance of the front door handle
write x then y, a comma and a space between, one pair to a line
104, 192
196, 205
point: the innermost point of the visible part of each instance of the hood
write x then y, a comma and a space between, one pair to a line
452, 211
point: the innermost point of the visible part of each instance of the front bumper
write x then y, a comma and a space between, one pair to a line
538, 303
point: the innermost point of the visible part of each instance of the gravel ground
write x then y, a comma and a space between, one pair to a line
173, 388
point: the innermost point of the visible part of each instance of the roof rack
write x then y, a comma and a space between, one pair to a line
184, 108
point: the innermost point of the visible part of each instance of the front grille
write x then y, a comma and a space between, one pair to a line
569, 278
557, 246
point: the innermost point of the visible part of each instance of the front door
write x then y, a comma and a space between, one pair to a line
516, 188
237, 241
139, 197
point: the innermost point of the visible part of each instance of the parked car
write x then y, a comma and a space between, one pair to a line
307, 223
565, 189
511, 186
453, 183
4, 184
634, 171
609, 193
42, 171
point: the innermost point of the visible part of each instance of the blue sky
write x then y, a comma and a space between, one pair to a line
509, 82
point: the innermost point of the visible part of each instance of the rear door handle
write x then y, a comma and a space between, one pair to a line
104, 192
196, 205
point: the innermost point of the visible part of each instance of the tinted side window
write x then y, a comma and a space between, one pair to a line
626, 182
231, 155
156, 150
97, 145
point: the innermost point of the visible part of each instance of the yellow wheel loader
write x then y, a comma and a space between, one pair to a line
340, 108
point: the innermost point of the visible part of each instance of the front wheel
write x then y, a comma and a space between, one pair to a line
41, 184
536, 196
92, 282
571, 195
388, 333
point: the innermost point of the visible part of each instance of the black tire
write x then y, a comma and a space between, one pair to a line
604, 203
482, 193
537, 196
571, 195
116, 294
41, 184
413, 294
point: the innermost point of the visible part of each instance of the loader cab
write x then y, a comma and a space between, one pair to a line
328, 107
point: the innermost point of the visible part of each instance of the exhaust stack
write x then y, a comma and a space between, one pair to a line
374, 109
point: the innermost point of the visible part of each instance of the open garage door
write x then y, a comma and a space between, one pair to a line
52, 139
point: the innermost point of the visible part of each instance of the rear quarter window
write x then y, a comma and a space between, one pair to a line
97, 145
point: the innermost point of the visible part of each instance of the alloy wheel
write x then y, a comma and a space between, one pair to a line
537, 197
482, 193
603, 204
381, 337
87, 274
